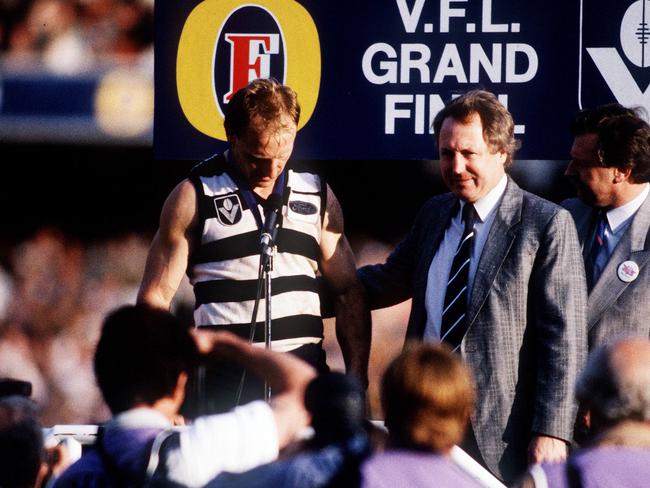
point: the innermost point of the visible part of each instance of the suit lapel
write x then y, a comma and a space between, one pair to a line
633, 246
435, 231
500, 238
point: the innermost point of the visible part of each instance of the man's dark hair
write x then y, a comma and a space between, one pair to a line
141, 352
262, 102
623, 138
497, 122
587, 121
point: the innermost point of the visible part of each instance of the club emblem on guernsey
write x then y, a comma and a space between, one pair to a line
303, 208
228, 209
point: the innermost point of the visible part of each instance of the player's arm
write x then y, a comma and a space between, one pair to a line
168, 255
353, 328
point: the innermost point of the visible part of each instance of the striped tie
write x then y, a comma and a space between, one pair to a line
454, 321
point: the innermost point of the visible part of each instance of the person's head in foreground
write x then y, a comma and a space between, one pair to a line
427, 396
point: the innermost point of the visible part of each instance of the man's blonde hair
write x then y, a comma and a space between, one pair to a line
263, 103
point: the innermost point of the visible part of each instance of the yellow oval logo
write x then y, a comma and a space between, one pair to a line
227, 43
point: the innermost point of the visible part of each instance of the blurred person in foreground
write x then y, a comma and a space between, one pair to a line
210, 227
331, 458
25, 461
610, 167
428, 397
22, 453
142, 363
496, 273
615, 388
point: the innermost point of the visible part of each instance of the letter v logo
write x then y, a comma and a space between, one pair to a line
618, 77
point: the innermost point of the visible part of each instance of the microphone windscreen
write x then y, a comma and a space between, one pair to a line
274, 202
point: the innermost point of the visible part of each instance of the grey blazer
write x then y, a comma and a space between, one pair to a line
616, 308
526, 339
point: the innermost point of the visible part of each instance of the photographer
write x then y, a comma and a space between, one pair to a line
141, 364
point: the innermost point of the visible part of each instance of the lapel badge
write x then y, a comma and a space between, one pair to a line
628, 271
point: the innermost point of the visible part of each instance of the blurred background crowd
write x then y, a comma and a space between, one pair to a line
54, 296
74, 36
55, 290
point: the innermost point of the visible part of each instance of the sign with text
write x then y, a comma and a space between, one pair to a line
372, 74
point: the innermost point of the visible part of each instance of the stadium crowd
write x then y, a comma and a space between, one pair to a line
74, 36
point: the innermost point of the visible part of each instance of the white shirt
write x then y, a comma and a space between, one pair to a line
620, 218
486, 209
235, 441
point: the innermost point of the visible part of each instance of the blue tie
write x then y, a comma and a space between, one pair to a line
598, 252
454, 320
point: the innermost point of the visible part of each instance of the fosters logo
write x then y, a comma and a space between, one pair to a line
227, 43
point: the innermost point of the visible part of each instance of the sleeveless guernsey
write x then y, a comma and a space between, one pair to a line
224, 265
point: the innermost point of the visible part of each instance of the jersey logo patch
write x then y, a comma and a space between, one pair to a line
228, 209
303, 208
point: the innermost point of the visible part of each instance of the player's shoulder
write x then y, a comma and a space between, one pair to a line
212, 166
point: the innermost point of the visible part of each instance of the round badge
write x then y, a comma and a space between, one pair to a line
628, 271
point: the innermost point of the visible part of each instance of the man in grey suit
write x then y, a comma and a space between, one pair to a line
610, 167
513, 304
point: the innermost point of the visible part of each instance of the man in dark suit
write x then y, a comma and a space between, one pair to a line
610, 166
495, 272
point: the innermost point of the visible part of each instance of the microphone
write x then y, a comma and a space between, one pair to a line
270, 229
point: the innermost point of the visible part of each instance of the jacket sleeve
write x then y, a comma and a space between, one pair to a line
558, 301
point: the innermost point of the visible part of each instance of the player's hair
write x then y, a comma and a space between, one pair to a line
261, 103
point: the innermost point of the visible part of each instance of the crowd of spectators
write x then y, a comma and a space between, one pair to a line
73, 36
55, 290
54, 293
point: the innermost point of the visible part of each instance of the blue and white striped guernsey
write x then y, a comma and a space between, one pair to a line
224, 266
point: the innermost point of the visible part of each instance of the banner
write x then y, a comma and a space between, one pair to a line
372, 74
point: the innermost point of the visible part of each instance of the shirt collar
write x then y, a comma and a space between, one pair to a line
490, 200
140, 418
619, 215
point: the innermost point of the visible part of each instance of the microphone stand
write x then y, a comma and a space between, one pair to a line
267, 268
267, 249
